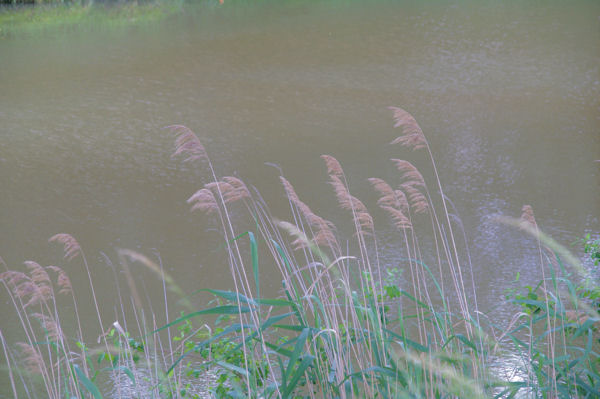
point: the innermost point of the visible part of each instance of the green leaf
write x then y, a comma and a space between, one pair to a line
280, 350
231, 296
234, 368
306, 361
297, 350
289, 327
274, 319
226, 309
461, 338
254, 252
89, 385
275, 302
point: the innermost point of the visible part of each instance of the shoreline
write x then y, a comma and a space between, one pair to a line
30, 20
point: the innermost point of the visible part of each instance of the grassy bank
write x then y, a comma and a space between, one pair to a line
30, 20
344, 324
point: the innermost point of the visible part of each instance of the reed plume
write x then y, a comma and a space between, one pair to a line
237, 191
62, 280
51, 327
13, 277
389, 196
203, 200
71, 246
323, 230
412, 135
345, 199
73, 249
34, 362
394, 202
39, 287
37, 273
187, 144
418, 200
351, 203
333, 166
410, 173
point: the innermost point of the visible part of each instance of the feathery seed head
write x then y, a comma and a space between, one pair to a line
203, 200
412, 135
187, 144
71, 246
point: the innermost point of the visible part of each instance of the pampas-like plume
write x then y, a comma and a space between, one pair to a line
231, 189
412, 135
237, 191
417, 199
333, 166
351, 203
22, 287
71, 246
301, 240
323, 229
345, 199
392, 201
53, 331
34, 362
63, 281
389, 196
37, 287
413, 180
13, 278
203, 200
39, 293
187, 143
37, 273
409, 172
400, 220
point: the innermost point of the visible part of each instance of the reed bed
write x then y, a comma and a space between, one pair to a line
342, 327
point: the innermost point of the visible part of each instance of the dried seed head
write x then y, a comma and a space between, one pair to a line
323, 229
416, 198
389, 197
71, 246
333, 166
37, 273
34, 362
412, 135
13, 278
349, 202
51, 327
203, 200
236, 191
410, 173
187, 144
63, 281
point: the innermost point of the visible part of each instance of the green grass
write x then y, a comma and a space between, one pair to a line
27, 20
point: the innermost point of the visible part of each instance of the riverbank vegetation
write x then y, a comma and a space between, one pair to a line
345, 324
27, 19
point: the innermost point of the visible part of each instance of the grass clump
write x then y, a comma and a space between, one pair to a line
343, 325
67, 17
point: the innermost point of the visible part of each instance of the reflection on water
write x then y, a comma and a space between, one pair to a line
508, 96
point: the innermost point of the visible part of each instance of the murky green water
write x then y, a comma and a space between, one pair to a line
508, 94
